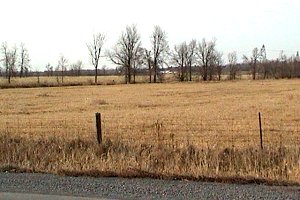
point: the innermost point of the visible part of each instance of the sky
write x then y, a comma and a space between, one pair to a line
51, 28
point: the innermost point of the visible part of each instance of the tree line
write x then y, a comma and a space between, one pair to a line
11, 62
188, 60
16, 62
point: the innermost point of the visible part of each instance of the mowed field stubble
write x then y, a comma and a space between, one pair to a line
191, 129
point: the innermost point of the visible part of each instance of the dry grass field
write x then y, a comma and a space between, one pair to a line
185, 129
53, 81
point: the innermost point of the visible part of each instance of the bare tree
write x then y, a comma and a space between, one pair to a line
191, 51
62, 66
76, 68
79, 67
149, 61
285, 67
218, 63
6, 57
24, 61
159, 48
291, 67
205, 53
297, 65
263, 54
184, 57
9, 60
138, 61
253, 62
264, 65
180, 59
49, 69
95, 48
233, 68
124, 52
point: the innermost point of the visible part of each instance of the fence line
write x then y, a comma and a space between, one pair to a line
226, 131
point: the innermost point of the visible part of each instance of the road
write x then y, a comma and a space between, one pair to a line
20, 185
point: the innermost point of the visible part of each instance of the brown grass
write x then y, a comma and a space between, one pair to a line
113, 158
188, 130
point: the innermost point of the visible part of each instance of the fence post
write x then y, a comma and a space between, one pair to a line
99, 128
260, 131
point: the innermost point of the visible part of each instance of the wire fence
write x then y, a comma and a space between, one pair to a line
170, 131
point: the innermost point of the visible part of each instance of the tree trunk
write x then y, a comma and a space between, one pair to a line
155, 70
190, 71
62, 76
129, 74
150, 71
254, 72
126, 75
9, 76
134, 73
204, 76
96, 74
21, 72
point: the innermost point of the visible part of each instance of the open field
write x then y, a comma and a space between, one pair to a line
54, 81
44, 81
192, 129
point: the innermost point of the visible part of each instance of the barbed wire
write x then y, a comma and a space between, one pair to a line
182, 129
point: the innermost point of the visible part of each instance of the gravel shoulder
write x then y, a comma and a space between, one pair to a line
120, 188
24, 196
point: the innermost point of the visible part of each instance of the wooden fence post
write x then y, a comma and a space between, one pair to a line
99, 128
260, 131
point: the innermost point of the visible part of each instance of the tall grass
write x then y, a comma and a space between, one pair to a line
114, 158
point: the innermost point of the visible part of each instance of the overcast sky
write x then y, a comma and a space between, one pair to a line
50, 28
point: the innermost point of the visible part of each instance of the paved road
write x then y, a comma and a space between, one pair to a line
119, 188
